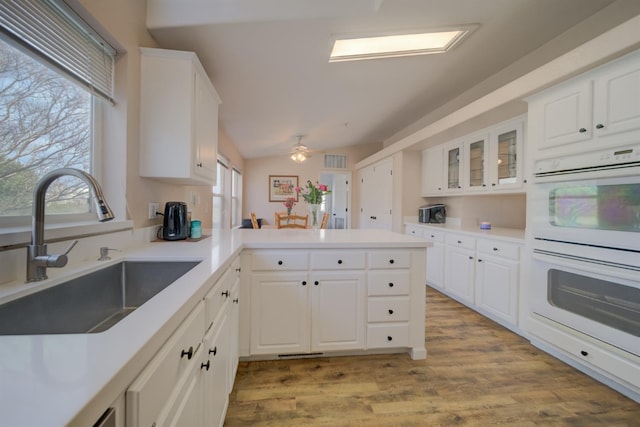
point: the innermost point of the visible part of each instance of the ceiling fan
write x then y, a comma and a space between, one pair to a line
299, 152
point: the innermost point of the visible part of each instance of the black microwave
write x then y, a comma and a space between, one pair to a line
432, 214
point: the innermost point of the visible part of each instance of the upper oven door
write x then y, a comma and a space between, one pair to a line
599, 211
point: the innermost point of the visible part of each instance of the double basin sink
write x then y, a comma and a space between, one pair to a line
91, 303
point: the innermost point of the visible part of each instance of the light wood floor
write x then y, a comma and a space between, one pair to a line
476, 373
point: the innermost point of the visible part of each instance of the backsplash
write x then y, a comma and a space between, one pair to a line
507, 210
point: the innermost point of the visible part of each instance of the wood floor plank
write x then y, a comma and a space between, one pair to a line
477, 373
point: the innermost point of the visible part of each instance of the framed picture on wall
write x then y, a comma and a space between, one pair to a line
282, 186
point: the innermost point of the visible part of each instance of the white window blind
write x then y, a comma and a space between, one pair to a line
55, 33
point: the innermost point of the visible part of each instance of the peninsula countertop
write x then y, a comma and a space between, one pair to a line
69, 379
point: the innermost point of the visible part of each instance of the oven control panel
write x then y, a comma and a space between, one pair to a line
626, 156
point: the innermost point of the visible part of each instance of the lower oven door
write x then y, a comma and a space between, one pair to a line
591, 296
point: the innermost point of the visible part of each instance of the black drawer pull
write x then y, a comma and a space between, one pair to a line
225, 294
339, 261
390, 311
213, 350
188, 353
389, 338
236, 300
584, 353
316, 283
205, 365
391, 284
391, 261
582, 130
280, 262
495, 249
460, 241
599, 126
304, 283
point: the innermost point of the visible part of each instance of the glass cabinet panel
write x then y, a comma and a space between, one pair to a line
476, 164
453, 168
507, 157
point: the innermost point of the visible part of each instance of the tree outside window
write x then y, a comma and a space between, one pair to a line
45, 124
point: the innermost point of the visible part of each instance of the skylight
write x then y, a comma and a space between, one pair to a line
353, 49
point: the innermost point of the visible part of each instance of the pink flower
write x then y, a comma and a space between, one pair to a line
297, 189
322, 187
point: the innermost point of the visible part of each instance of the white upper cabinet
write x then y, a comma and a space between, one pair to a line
178, 118
489, 160
595, 110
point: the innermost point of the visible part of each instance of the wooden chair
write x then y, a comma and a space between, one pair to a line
277, 215
325, 220
294, 221
254, 221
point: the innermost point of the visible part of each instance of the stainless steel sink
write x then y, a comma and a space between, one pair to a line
91, 303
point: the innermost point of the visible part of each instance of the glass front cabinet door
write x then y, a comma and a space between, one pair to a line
506, 156
475, 156
453, 163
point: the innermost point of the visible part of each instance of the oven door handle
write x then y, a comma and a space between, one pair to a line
596, 266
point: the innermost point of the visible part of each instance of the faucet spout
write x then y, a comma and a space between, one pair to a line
37, 258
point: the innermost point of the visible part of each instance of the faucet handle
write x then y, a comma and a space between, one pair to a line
55, 260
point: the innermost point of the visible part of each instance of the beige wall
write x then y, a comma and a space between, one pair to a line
124, 21
256, 178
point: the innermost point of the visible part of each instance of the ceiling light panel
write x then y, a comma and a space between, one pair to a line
352, 49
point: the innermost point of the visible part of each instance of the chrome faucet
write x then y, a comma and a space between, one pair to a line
37, 258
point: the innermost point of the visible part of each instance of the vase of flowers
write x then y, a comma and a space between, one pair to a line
289, 204
313, 194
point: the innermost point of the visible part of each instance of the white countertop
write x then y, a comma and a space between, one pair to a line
508, 234
69, 379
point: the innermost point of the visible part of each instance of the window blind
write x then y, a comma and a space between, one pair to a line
55, 33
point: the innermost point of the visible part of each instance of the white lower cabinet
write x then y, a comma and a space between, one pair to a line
336, 300
481, 272
188, 381
460, 267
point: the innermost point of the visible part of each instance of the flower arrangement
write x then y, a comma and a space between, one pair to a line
313, 193
289, 204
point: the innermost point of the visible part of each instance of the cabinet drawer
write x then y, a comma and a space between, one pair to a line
149, 392
385, 335
461, 241
434, 235
337, 260
389, 259
217, 297
496, 247
388, 309
412, 230
279, 260
389, 283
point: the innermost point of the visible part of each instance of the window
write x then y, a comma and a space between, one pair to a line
53, 68
220, 195
236, 198
45, 124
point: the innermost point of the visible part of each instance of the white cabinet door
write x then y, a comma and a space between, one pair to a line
453, 164
475, 176
506, 155
338, 310
617, 100
435, 265
497, 287
567, 115
279, 313
432, 171
205, 131
234, 332
214, 370
460, 273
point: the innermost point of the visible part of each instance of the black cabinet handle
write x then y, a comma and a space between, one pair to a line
479, 260
495, 249
599, 126
238, 270
389, 338
213, 350
584, 353
470, 257
316, 283
582, 130
236, 300
205, 365
304, 283
390, 311
391, 284
280, 262
391, 261
188, 353
460, 241
493, 184
339, 261
199, 165
225, 294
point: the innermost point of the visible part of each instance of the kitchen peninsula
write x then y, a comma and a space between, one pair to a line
354, 292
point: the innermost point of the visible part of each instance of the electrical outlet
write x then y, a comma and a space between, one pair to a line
153, 210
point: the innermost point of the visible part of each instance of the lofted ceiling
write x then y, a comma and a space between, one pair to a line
268, 60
